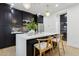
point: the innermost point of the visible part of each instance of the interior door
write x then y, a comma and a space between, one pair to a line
63, 25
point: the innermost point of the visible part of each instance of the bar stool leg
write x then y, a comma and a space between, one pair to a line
50, 52
58, 48
63, 48
44, 53
40, 54
34, 51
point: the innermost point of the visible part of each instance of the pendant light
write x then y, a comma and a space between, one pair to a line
47, 13
27, 5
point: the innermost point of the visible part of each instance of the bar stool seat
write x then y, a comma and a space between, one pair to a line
56, 40
43, 46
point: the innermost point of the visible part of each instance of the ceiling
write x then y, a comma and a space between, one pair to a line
40, 8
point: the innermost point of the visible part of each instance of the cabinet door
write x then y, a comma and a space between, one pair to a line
13, 39
27, 16
4, 14
2, 43
4, 25
30, 47
40, 19
17, 16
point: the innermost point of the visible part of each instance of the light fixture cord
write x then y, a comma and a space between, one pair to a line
47, 8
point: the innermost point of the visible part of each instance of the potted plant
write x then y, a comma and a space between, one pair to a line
32, 27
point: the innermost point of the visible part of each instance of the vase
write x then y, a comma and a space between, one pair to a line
31, 32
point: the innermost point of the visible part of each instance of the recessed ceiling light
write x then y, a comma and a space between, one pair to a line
27, 5
56, 5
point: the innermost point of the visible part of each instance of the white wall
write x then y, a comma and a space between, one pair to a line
51, 23
72, 26
40, 27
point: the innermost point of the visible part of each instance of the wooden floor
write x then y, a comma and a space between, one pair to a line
10, 51
69, 51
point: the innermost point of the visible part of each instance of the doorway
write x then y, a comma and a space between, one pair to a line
63, 25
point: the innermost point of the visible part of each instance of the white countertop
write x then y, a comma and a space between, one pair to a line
26, 36
16, 32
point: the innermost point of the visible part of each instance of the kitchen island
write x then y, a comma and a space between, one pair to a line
21, 42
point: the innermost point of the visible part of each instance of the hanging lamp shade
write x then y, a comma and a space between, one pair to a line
27, 5
47, 13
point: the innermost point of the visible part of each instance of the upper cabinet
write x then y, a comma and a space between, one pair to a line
16, 17
28, 16
4, 14
40, 19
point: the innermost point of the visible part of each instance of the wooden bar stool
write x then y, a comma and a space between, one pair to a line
59, 39
43, 45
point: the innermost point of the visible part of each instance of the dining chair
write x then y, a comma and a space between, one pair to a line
58, 38
43, 45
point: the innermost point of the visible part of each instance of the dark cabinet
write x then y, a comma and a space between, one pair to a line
30, 46
4, 15
2, 39
40, 19
13, 39
5, 22
27, 16
17, 17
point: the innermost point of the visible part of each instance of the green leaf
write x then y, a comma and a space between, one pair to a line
31, 26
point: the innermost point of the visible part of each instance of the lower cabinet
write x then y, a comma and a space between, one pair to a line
7, 41
13, 39
30, 47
